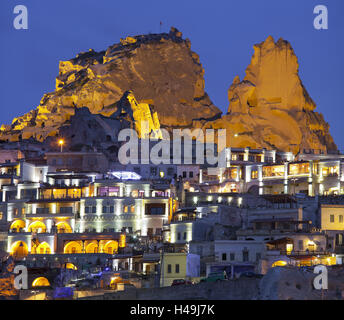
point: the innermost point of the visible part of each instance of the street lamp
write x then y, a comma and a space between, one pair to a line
61, 143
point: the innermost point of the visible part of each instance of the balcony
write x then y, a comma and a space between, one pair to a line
183, 219
50, 215
298, 253
55, 199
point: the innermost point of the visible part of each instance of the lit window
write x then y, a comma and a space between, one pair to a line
273, 171
254, 174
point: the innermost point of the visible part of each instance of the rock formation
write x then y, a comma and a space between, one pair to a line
145, 119
85, 131
7, 290
160, 69
271, 108
290, 283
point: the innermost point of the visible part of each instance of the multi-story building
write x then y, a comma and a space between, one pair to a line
179, 265
135, 206
78, 212
270, 172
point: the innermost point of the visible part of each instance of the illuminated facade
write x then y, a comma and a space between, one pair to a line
133, 206
269, 172
49, 212
90, 212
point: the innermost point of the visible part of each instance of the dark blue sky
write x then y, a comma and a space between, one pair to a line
221, 32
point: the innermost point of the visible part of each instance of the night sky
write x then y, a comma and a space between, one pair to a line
221, 32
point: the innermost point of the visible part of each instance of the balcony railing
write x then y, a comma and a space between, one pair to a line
50, 214
300, 253
183, 219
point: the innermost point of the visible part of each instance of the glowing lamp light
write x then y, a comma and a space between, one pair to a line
61, 143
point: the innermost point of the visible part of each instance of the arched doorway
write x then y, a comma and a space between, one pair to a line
92, 248
111, 247
73, 247
63, 227
43, 248
19, 249
41, 282
17, 226
37, 227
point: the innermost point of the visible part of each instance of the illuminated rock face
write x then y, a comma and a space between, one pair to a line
146, 121
271, 108
160, 69
7, 289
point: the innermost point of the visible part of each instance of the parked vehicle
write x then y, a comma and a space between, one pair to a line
214, 277
178, 282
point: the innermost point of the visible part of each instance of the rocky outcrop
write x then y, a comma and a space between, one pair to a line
7, 290
289, 283
85, 131
160, 69
271, 108
145, 120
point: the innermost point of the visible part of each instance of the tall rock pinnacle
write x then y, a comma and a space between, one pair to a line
271, 108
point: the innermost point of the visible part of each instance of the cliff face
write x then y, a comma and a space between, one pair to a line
160, 69
271, 108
